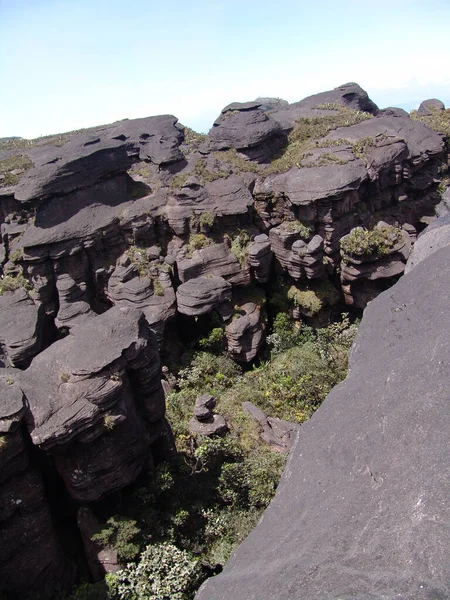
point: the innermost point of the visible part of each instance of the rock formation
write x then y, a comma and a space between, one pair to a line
362, 507
113, 237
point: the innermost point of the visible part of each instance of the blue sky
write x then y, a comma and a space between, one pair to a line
67, 64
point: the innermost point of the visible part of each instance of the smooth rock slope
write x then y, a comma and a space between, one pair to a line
362, 509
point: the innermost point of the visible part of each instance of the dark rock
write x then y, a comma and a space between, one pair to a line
82, 393
215, 425
245, 333
242, 126
364, 478
21, 327
100, 560
427, 107
260, 257
278, 434
392, 111
216, 259
199, 296
348, 94
89, 156
430, 241
203, 407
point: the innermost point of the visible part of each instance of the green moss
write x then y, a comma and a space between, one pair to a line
16, 255
65, 377
362, 242
308, 132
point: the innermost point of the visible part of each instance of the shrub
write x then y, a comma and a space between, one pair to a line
361, 242
206, 219
239, 247
313, 299
304, 231
65, 377
214, 342
10, 283
164, 572
197, 241
121, 534
208, 371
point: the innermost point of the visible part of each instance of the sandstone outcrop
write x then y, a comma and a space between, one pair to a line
205, 421
114, 238
362, 505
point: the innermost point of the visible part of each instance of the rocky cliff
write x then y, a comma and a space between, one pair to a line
116, 240
362, 509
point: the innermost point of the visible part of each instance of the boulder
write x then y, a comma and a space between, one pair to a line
278, 434
242, 126
216, 259
427, 107
214, 425
200, 295
361, 507
90, 156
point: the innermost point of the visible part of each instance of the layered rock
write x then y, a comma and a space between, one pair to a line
31, 560
21, 327
83, 393
205, 422
200, 295
246, 332
361, 508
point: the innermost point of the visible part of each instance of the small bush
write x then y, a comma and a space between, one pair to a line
207, 219
122, 534
10, 283
239, 247
197, 241
304, 231
313, 299
164, 572
65, 377
361, 242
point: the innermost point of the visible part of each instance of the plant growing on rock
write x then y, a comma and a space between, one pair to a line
362, 242
305, 231
10, 283
197, 241
239, 247
122, 534
314, 298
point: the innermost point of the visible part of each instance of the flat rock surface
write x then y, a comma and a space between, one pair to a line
88, 156
362, 509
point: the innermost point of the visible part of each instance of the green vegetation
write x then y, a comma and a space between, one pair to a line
439, 120
192, 139
9, 380
16, 255
207, 220
200, 171
146, 268
197, 241
238, 163
303, 230
312, 299
239, 247
109, 422
308, 132
362, 242
122, 534
3, 441
9, 166
172, 529
65, 377
164, 572
10, 283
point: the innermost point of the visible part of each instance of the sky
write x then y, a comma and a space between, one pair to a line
69, 64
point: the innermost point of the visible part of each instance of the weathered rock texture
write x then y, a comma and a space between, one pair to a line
362, 508
112, 235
